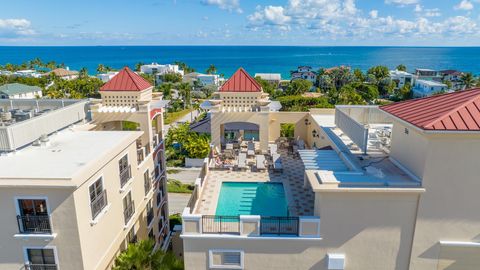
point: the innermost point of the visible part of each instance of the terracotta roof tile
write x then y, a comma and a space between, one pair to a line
457, 111
126, 80
241, 81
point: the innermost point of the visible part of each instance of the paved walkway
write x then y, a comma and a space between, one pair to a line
186, 118
184, 175
177, 202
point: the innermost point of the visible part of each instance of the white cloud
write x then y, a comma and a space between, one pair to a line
14, 28
432, 12
401, 2
230, 5
418, 8
336, 19
464, 5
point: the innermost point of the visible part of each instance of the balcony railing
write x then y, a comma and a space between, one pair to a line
140, 155
221, 224
147, 185
125, 175
98, 204
159, 198
128, 212
150, 216
156, 141
34, 224
40, 266
279, 225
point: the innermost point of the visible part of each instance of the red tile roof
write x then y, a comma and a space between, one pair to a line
457, 111
241, 81
126, 80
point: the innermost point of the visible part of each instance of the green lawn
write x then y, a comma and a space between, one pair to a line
175, 186
171, 117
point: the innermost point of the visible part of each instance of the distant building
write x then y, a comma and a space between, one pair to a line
27, 73
401, 78
203, 79
273, 78
424, 88
155, 68
427, 74
63, 73
5, 72
304, 72
19, 91
105, 77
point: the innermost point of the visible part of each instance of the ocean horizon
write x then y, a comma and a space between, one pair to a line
255, 59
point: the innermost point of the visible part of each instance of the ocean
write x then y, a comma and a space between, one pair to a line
255, 59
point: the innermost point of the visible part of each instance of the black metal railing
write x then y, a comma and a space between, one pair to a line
125, 175
128, 212
34, 224
159, 198
30, 266
221, 224
279, 225
98, 204
140, 155
147, 185
150, 216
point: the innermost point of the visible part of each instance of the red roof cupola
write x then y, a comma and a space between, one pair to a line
241, 81
457, 111
126, 80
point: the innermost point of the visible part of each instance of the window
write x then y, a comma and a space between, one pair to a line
33, 216
128, 207
131, 236
98, 197
149, 212
226, 259
147, 182
124, 167
151, 235
40, 258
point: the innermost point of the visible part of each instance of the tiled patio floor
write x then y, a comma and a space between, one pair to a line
300, 199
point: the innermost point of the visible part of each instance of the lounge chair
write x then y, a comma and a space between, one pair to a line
260, 162
277, 163
242, 161
250, 149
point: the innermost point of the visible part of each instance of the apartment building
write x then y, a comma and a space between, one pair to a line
357, 187
76, 187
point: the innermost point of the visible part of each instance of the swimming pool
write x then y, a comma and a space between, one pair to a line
252, 198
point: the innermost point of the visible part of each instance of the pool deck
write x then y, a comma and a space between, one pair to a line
300, 200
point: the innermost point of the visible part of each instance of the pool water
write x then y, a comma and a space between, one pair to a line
252, 198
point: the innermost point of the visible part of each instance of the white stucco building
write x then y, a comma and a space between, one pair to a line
424, 88
401, 78
155, 68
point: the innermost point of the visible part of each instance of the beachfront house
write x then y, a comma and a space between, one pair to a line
19, 91
63, 73
155, 68
27, 73
427, 74
424, 88
355, 187
272, 78
73, 192
401, 78
202, 79
105, 77
304, 72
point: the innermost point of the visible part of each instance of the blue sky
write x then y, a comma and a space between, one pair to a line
240, 22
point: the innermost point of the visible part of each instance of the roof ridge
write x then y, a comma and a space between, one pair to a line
250, 78
440, 118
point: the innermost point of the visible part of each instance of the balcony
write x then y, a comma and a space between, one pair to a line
98, 204
125, 175
150, 216
140, 155
34, 224
30, 266
147, 185
128, 212
159, 198
156, 141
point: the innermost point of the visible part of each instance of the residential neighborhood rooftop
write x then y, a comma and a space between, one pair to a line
18, 88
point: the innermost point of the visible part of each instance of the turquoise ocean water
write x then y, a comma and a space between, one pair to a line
279, 59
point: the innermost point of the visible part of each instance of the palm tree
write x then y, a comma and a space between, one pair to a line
101, 68
83, 73
138, 66
211, 69
142, 256
467, 80
185, 90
